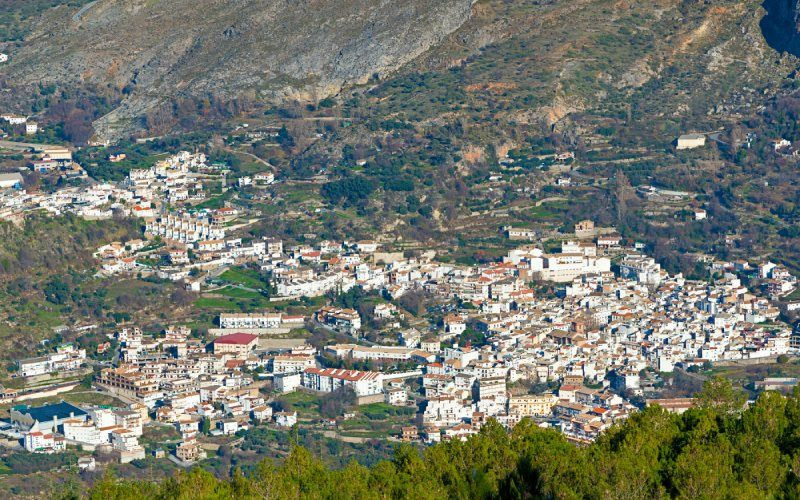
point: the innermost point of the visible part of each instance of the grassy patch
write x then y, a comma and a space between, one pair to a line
238, 293
241, 276
793, 296
382, 411
214, 303
215, 202
304, 403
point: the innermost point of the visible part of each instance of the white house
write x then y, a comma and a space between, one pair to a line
396, 396
691, 141
37, 441
287, 382
12, 180
262, 413
13, 119
286, 418
228, 427
265, 177
778, 144
330, 379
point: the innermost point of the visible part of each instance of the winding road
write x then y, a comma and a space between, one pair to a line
77, 16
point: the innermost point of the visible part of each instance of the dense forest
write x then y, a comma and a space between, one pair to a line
718, 449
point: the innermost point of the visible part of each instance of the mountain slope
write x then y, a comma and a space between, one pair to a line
522, 62
157, 50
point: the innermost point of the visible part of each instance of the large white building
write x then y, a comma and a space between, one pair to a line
185, 228
36, 441
12, 180
642, 269
292, 363
691, 141
445, 410
564, 267
314, 286
380, 353
81, 431
331, 379
66, 358
248, 321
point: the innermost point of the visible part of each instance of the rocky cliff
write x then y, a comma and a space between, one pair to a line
159, 49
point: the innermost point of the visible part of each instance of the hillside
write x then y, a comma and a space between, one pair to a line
47, 280
151, 51
531, 62
614, 81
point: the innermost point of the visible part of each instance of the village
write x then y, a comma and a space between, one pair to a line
146, 193
575, 337
578, 359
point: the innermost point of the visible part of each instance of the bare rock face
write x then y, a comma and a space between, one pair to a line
158, 50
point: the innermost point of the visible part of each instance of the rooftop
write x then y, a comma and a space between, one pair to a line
236, 339
46, 413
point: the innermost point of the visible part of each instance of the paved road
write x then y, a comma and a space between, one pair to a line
77, 16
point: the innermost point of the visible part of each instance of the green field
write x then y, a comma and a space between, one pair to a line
215, 303
239, 293
795, 295
304, 403
214, 202
243, 277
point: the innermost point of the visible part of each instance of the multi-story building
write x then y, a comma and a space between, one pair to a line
642, 269
81, 431
36, 441
129, 381
238, 344
331, 379
185, 228
292, 363
250, 320
531, 405
565, 267
127, 444
66, 358
342, 320
380, 353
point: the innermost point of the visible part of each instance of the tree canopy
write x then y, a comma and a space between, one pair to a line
713, 450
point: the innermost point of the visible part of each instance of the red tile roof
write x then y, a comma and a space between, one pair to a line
349, 375
236, 338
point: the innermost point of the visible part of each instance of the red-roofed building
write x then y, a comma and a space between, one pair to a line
234, 363
330, 379
235, 343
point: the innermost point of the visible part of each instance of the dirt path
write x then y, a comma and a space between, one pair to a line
539, 203
235, 151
